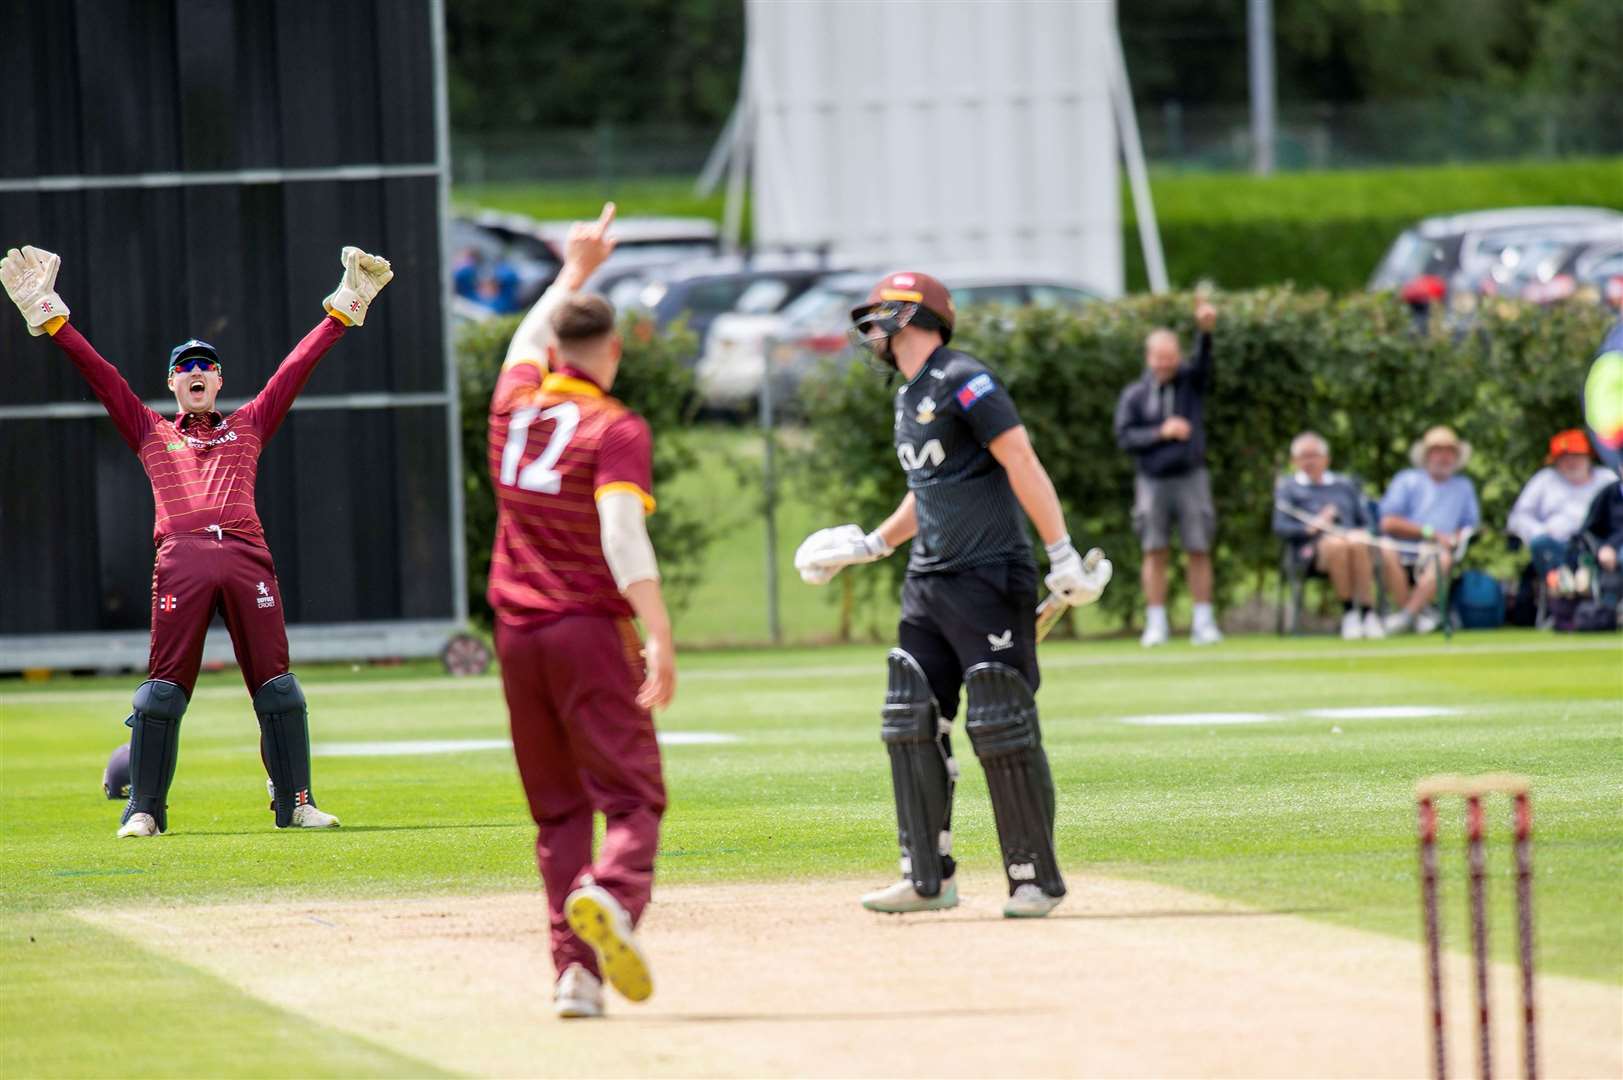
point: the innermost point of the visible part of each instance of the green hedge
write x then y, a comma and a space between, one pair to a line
653, 381
1329, 229
1353, 367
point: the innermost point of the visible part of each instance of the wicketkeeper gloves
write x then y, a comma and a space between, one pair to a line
1075, 579
363, 276
29, 276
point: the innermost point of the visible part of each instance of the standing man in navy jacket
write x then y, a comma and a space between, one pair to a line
1160, 420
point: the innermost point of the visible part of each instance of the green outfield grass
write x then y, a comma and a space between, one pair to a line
1302, 813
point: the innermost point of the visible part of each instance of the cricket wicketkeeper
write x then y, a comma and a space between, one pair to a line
967, 618
211, 552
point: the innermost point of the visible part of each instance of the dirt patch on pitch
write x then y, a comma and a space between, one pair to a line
1126, 979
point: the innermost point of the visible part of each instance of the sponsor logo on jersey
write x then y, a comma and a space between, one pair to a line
926, 411
172, 447
264, 599
929, 455
168, 603
1002, 641
975, 389
937, 373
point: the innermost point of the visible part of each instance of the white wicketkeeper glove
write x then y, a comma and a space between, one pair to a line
1077, 580
29, 276
827, 551
363, 276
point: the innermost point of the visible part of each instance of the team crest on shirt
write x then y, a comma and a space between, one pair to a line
926, 411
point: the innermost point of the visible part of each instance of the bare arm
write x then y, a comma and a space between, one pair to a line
587, 245
1031, 483
659, 652
903, 523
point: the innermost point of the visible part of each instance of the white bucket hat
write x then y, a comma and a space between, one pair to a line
1441, 435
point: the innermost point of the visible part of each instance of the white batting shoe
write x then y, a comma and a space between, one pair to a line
139, 825
578, 995
306, 816
1029, 902
902, 898
598, 919
1154, 634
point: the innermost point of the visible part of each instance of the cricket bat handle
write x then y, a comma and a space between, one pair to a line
1053, 607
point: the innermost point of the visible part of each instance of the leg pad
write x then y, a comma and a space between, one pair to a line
922, 774
154, 725
1002, 724
284, 728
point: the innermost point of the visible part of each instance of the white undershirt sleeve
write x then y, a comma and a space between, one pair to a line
534, 332
626, 546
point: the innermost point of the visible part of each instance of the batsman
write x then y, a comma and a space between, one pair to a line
211, 550
967, 604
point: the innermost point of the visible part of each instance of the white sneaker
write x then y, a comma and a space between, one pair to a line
1352, 626
598, 919
308, 817
1426, 622
578, 995
139, 825
1154, 634
1029, 902
1374, 629
1399, 622
1206, 634
901, 898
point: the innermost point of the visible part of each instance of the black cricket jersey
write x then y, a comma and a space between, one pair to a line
968, 514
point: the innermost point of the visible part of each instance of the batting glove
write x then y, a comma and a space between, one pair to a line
1076, 579
363, 276
29, 276
828, 551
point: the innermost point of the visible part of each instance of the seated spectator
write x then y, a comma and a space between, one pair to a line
1604, 524
1329, 501
1551, 508
1433, 504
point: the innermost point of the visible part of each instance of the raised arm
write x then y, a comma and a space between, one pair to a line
587, 245
1200, 365
364, 276
29, 276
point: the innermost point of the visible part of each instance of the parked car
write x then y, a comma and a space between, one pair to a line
813, 330
757, 284
1590, 270
1436, 255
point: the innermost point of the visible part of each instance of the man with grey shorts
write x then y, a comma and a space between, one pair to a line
1160, 420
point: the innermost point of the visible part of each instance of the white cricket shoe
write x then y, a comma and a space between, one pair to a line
901, 898
139, 825
1029, 902
1399, 622
1374, 629
597, 918
1352, 626
1206, 634
308, 817
1426, 622
578, 995
1154, 634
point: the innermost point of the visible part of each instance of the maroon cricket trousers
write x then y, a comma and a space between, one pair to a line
197, 574
584, 745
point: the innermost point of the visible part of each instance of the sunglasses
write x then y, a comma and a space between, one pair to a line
195, 363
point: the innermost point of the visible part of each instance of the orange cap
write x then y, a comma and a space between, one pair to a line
1571, 441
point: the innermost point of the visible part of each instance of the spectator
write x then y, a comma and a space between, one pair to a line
1433, 504
1551, 508
1160, 421
1605, 524
1329, 501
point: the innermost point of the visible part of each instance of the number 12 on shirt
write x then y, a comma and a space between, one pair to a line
540, 474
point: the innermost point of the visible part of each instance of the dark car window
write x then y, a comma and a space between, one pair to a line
707, 297
1059, 296
969, 295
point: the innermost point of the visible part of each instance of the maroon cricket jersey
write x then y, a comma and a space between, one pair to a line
202, 466
558, 443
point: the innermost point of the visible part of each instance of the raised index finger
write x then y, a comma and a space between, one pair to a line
605, 219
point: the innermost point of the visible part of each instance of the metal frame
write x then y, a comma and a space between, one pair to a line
105, 650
